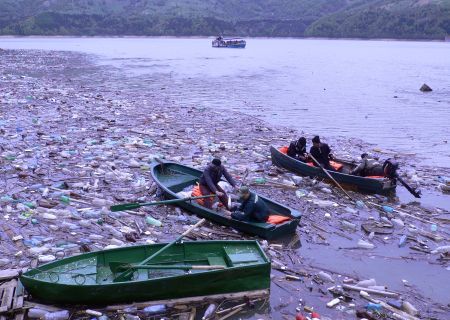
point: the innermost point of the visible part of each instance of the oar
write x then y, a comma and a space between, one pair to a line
135, 205
121, 267
414, 192
329, 176
124, 276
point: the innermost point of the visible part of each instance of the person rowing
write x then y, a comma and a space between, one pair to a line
322, 153
209, 180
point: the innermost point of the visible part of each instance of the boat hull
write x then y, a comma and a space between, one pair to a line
231, 46
263, 230
362, 184
254, 276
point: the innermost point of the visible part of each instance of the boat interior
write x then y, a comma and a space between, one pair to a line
176, 181
180, 259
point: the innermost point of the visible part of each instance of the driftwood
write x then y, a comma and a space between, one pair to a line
220, 312
403, 212
389, 294
192, 300
231, 313
193, 314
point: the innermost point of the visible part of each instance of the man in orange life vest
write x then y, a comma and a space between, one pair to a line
322, 153
209, 180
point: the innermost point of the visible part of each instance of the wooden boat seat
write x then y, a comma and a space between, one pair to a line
235, 259
217, 261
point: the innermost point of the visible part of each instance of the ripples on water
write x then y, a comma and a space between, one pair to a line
363, 89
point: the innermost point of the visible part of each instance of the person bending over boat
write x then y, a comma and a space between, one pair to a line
252, 208
297, 149
322, 153
209, 180
368, 167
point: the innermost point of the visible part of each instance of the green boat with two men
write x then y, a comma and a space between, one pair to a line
380, 185
173, 178
185, 269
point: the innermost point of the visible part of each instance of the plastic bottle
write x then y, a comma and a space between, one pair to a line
409, 308
300, 193
160, 308
349, 225
433, 228
325, 277
209, 311
65, 199
36, 313
333, 302
402, 241
398, 222
366, 283
365, 245
46, 258
260, 180
388, 209
360, 205
373, 306
153, 222
58, 315
48, 216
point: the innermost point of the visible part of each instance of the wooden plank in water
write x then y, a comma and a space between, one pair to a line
191, 300
8, 289
18, 303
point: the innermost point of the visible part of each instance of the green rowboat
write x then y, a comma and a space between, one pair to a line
186, 269
348, 181
173, 178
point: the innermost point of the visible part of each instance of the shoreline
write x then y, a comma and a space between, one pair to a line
79, 127
213, 37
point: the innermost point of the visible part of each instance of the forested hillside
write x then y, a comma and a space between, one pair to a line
418, 19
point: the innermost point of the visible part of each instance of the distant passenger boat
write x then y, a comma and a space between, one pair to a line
221, 42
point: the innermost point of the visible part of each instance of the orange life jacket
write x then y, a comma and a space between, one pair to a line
277, 219
284, 149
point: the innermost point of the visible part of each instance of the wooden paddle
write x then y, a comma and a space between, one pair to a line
121, 267
329, 176
135, 205
126, 275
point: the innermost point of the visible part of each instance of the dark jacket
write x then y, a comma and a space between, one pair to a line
368, 167
322, 154
253, 209
296, 151
213, 174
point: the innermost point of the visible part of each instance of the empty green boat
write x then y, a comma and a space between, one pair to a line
173, 178
186, 269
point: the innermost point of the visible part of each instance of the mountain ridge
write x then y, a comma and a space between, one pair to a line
401, 19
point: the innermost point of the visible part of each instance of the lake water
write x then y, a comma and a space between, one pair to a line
350, 88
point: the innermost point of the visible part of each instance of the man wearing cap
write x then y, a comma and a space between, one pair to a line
297, 149
209, 180
322, 153
252, 208
368, 167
